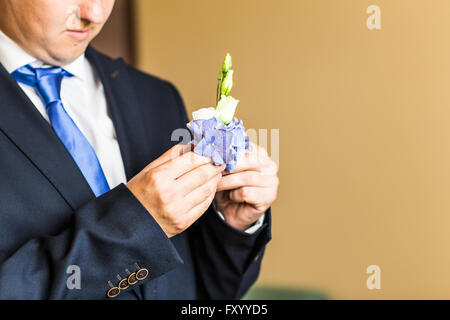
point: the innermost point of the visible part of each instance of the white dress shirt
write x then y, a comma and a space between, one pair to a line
84, 99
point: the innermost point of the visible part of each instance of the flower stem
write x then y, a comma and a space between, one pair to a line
219, 86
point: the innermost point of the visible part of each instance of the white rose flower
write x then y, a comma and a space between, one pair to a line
226, 109
204, 114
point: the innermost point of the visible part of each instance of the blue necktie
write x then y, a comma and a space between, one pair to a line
47, 82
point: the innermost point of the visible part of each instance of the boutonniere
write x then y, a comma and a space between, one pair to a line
217, 133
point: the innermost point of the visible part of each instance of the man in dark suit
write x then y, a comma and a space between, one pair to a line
87, 183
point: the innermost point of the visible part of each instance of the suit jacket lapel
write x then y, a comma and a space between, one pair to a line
123, 105
31, 133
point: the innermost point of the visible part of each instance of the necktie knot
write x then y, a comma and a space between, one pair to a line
46, 81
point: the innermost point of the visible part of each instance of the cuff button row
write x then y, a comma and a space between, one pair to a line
132, 279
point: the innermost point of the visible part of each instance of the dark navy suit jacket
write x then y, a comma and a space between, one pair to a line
50, 219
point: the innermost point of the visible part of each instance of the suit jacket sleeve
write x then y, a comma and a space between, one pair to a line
227, 260
107, 235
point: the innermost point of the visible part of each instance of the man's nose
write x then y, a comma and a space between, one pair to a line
93, 11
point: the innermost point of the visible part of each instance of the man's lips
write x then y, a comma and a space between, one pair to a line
78, 34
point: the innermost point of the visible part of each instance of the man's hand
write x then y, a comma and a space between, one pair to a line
243, 196
177, 188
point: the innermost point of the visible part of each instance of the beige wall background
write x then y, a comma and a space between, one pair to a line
364, 119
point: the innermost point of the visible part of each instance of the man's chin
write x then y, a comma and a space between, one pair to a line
68, 54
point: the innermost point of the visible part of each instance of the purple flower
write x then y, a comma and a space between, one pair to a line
224, 144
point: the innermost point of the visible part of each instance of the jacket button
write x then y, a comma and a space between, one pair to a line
123, 284
142, 274
113, 292
132, 280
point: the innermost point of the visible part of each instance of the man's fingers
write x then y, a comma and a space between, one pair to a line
198, 177
244, 179
170, 154
248, 162
203, 192
178, 166
255, 160
196, 212
250, 195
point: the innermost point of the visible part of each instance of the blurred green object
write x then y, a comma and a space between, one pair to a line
273, 293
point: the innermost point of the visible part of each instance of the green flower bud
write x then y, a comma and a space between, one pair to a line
227, 64
227, 83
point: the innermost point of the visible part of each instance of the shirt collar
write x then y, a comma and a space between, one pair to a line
12, 57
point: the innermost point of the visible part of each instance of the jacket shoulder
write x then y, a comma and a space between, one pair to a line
138, 78
152, 93
152, 88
